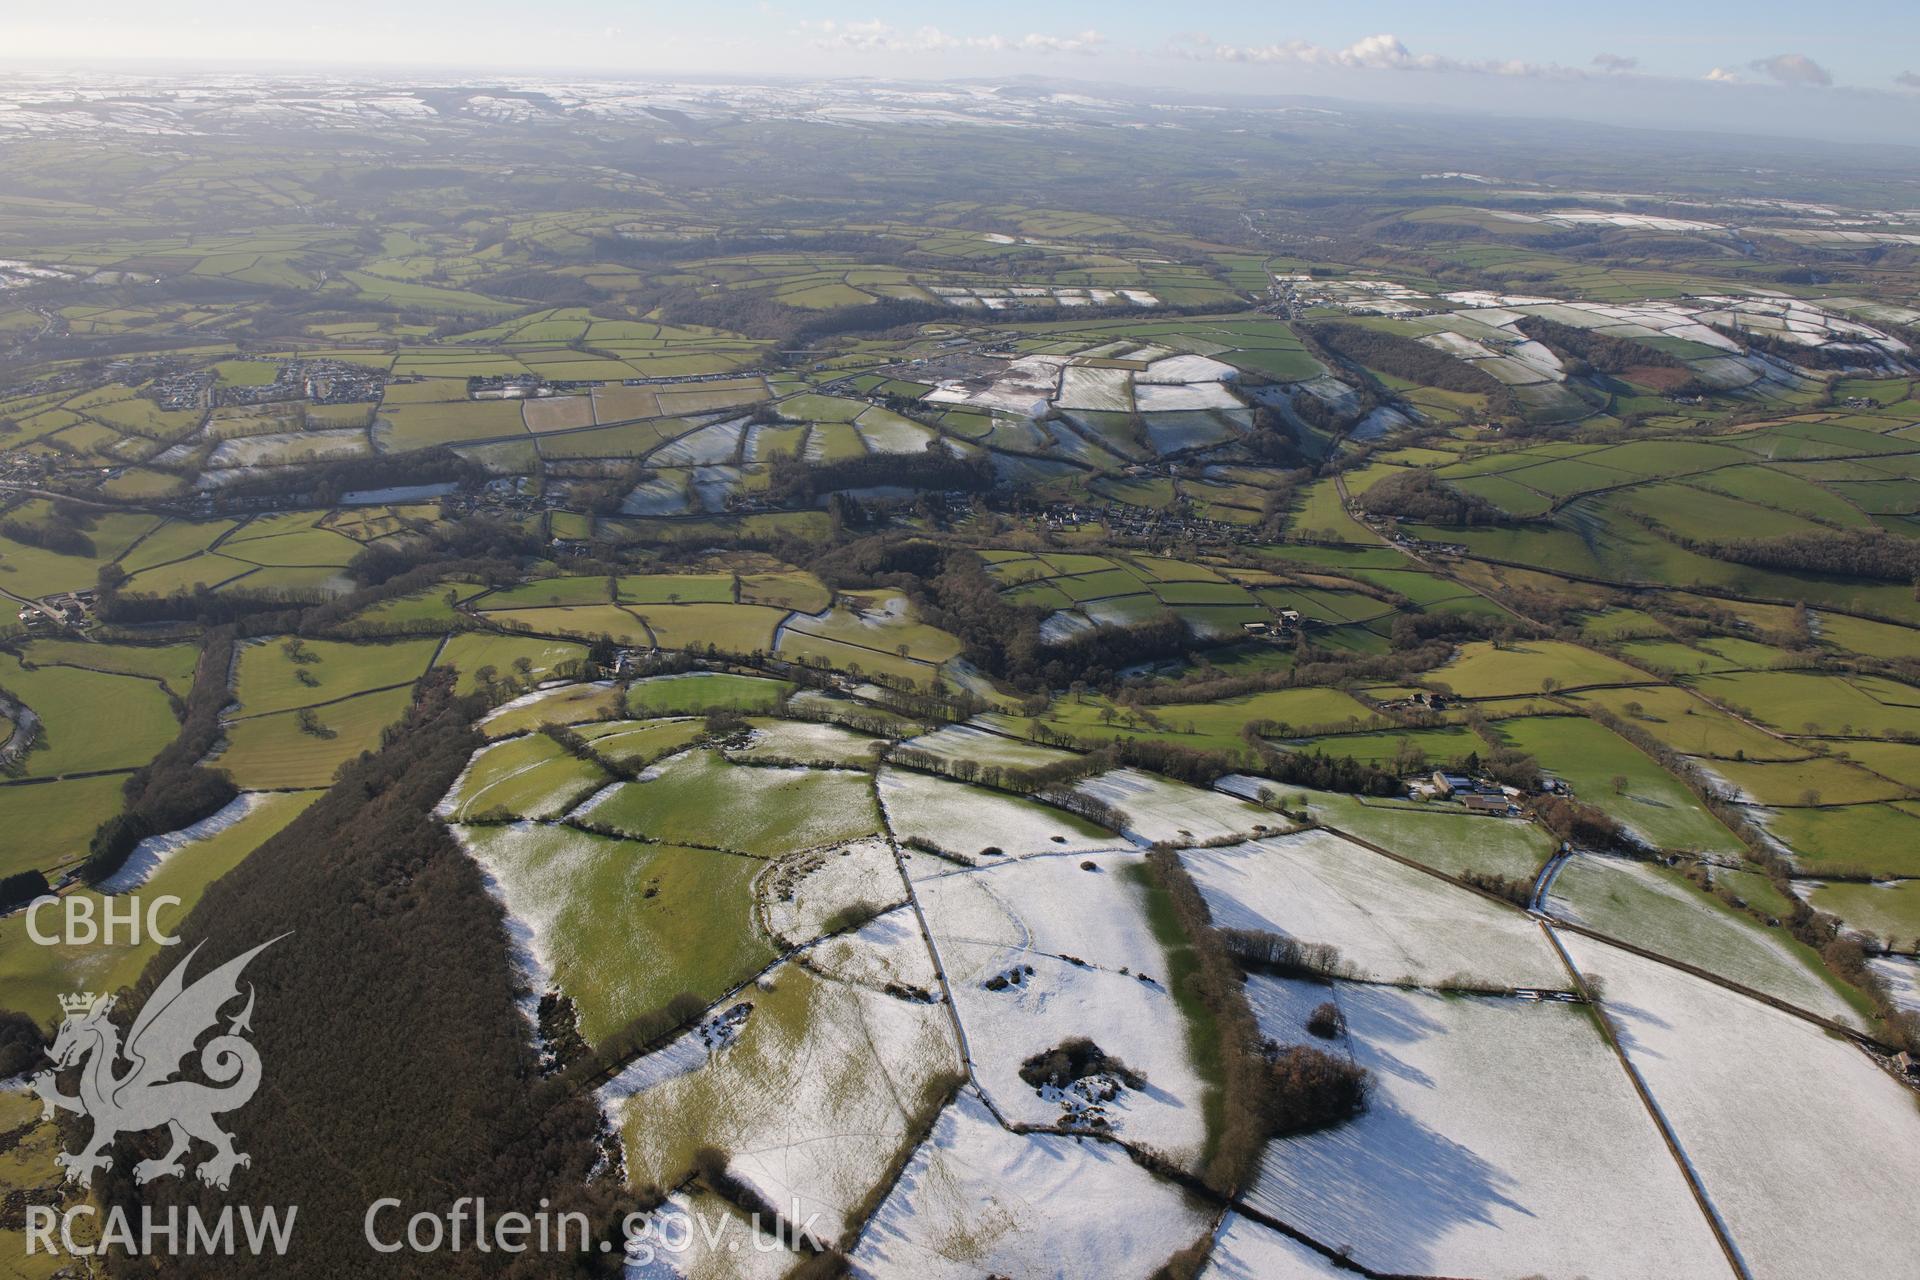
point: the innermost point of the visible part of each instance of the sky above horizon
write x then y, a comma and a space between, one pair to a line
1762, 66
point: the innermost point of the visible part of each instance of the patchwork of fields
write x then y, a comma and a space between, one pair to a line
921, 922
971, 681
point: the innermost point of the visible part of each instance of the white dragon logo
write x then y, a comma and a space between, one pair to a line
144, 1096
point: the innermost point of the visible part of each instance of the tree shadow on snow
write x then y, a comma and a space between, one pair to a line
1383, 1186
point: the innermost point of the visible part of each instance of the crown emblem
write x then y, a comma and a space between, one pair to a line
77, 1002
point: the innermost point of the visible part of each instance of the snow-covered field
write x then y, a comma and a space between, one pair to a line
1438, 836
1808, 1151
888, 949
1488, 339
887, 432
664, 495
1151, 397
1457, 345
1187, 369
1703, 320
810, 1100
1017, 906
1610, 218
1158, 808
1360, 297
805, 742
689, 1051
1186, 429
967, 820
1025, 386
718, 442
1064, 624
979, 1201
1462, 1164
799, 893
713, 485
1632, 901
1902, 976
284, 447
1131, 1019
1245, 1250
1085, 388
696, 1235
1389, 921
1504, 1139
969, 742
1094, 971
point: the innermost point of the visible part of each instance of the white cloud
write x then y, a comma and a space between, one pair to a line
881, 37
1793, 68
1383, 52
1086, 42
1720, 75
1614, 62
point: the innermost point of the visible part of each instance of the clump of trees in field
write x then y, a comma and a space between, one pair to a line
1076, 1058
21, 887
1586, 351
64, 531
1399, 357
1417, 494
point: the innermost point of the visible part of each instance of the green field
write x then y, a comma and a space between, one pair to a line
51, 822
626, 926
1689, 724
795, 542
700, 692
1804, 702
1815, 781
547, 591
170, 664
1437, 746
35, 976
640, 742
1443, 837
568, 704
277, 675
474, 652
699, 799
90, 720
526, 777
1596, 762
1875, 839
1889, 910
274, 751
1535, 666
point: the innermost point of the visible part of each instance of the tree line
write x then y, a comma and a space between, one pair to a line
793, 481
174, 790
1852, 553
386, 1014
